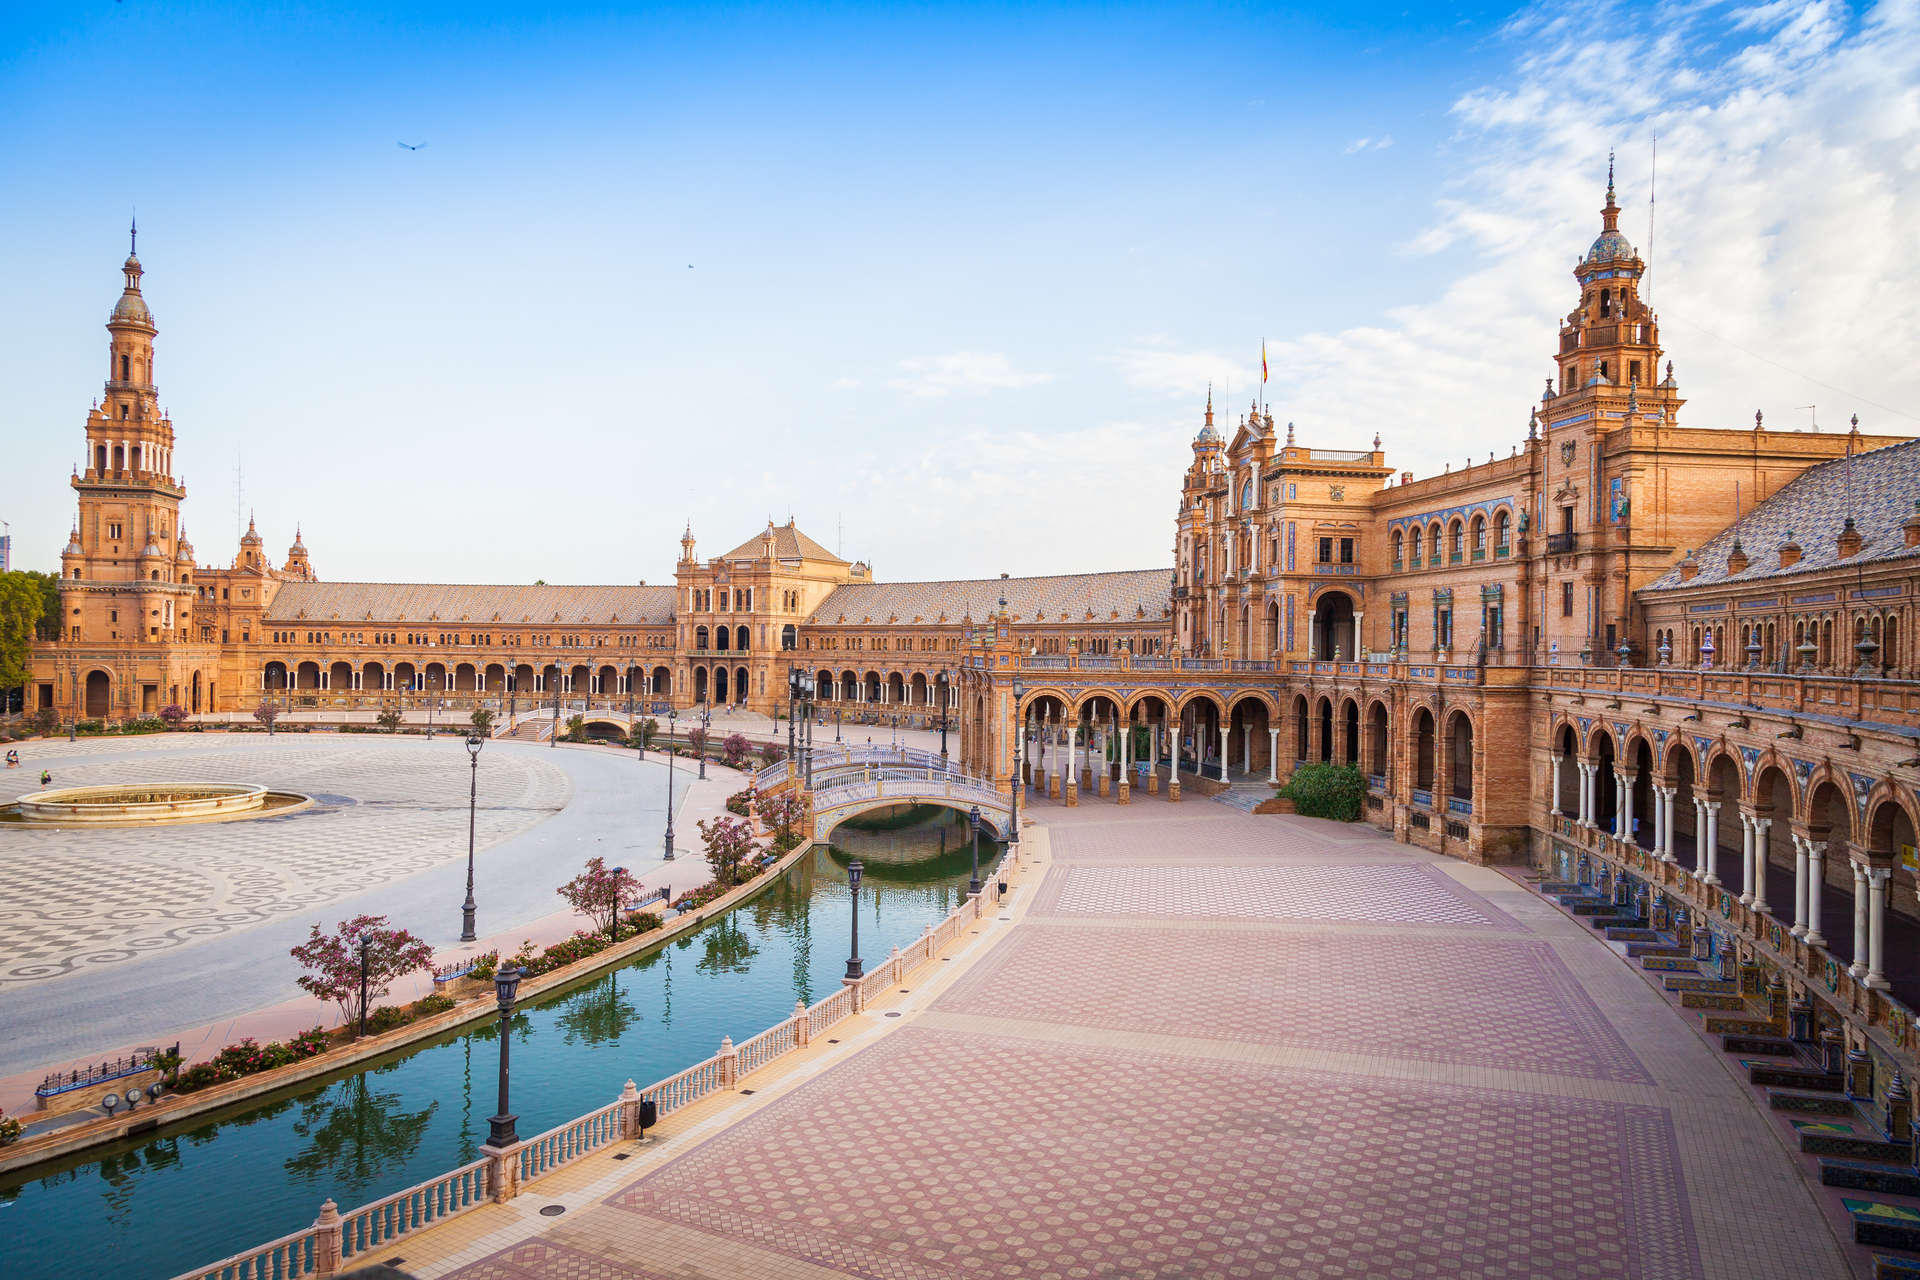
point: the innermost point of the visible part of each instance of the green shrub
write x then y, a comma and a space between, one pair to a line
737, 803
386, 1018
644, 921
1335, 791
427, 1006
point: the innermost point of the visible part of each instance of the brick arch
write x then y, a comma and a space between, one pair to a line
1088, 695
1186, 700
1135, 700
1668, 760
1264, 698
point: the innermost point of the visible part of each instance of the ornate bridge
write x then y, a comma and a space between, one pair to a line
849, 781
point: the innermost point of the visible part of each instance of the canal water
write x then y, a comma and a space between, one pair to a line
191, 1195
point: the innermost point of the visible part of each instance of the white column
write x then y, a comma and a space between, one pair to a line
1656, 796
1273, 755
1816, 880
1073, 732
1746, 857
1799, 887
1859, 966
1876, 926
1173, 752
1553, 775
1357, 616
1223, 753
1580, 794
1623, 812
1590, 800
1246, 748
1667, 821
1760, 829
1710, 857
1153, 749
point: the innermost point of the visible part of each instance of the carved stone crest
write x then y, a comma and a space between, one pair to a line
1566, 451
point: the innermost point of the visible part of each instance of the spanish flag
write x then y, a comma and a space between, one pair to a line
1263, 362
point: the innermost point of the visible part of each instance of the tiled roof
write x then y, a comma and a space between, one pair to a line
788, 544
399, 602
1877, 489
1062, 596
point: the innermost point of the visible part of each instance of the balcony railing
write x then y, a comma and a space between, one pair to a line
1562, 544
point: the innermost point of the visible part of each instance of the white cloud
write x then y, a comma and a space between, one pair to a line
1155, 364
1789, 156
1369, 144
844, 384
965, 372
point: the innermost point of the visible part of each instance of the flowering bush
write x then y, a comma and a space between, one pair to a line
173, 715
9, 1130
771, 754
781, 812
266, 713
644, 921
734, 750
248, 1057
737, 803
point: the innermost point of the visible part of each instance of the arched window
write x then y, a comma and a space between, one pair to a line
1456, 537
789, 636
1479, 537
1433, 542
1502, 531
124, 375
1399, 546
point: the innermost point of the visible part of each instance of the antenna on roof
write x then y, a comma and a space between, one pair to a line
1652, 173
1814, 416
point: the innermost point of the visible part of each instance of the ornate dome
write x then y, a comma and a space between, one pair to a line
131, 305
1207, 435
1610, 247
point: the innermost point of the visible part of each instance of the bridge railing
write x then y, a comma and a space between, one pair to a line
320, 1251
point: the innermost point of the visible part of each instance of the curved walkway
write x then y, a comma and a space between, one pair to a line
1214, 1044
112, 938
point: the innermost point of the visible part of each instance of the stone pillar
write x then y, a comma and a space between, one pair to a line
1877, 878
1799, 929
1073, 772
1123, 793
1859, 966
1153, 760
1586, 794
1760, 828
1173, 763
1709, 861
1273, 755
802, 1027
326, 1248
1246, 749
1357, 616
1623, 812
1816, 880
729, 1063
1223, 752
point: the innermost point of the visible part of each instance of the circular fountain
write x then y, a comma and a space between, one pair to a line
143, 804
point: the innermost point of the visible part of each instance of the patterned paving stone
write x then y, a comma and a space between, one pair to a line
1394, 893
76, 900
1510, 1002
940, 1155
546, 1260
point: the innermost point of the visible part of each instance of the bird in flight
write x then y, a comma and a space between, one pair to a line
409, 146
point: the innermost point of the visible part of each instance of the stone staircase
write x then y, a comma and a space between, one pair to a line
1852, 1153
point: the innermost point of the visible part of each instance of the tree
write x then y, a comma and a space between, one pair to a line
332, 962
266, 713
729, 843
600, 893
576, 728
45, 721
734, 750
173, 715
780, 811
772, 754
29, 611
389, 719
697, 739
643, 734
482, 721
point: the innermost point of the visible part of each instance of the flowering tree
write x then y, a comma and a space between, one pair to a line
734, 750
771, 753
729, 843
780, 811
697, 739
266, 713
332, 961
173, 715
600, 892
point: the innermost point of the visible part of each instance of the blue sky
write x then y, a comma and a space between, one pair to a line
953, 279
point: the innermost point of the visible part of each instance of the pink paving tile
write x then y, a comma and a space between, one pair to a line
937, 1155
1373, 893
1501, 1002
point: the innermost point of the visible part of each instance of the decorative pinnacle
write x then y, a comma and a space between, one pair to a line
133, 236
1609, 175
1856, 424
1756, 420
1289, 434
1533, 423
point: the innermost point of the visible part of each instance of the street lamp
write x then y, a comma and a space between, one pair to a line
553, 739
836, 724
363, 944
474, 743
433, 700
855, 970
940, 682
672, 716
613, 930
506, 983
706, 718
807, 691
973, 820
1013, 827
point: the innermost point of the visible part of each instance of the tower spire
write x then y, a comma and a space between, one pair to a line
133, 236
1610, 215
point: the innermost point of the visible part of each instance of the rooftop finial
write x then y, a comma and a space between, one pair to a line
1289, 435
1609, 175
1856, 424
133, 236
1756, 419
1209, 404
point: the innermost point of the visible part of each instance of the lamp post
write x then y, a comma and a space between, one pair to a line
855, 970
613, 930
553, 739
940, 682
363, 944
1019, 752
433, 701
973, 820
706, 718
1013, 827
807, 691
672, 716
506, 983
836, 724
474, 743
896, 729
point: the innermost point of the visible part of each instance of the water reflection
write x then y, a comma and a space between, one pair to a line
163, 1204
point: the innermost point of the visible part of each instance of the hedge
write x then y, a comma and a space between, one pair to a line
1335, 791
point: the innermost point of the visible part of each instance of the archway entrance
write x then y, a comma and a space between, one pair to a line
1333, 627
99, 686
720, 684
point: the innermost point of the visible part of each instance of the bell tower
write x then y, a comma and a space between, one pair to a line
123, 584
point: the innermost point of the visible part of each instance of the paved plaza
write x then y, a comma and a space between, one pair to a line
107, 936
1211, 1044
